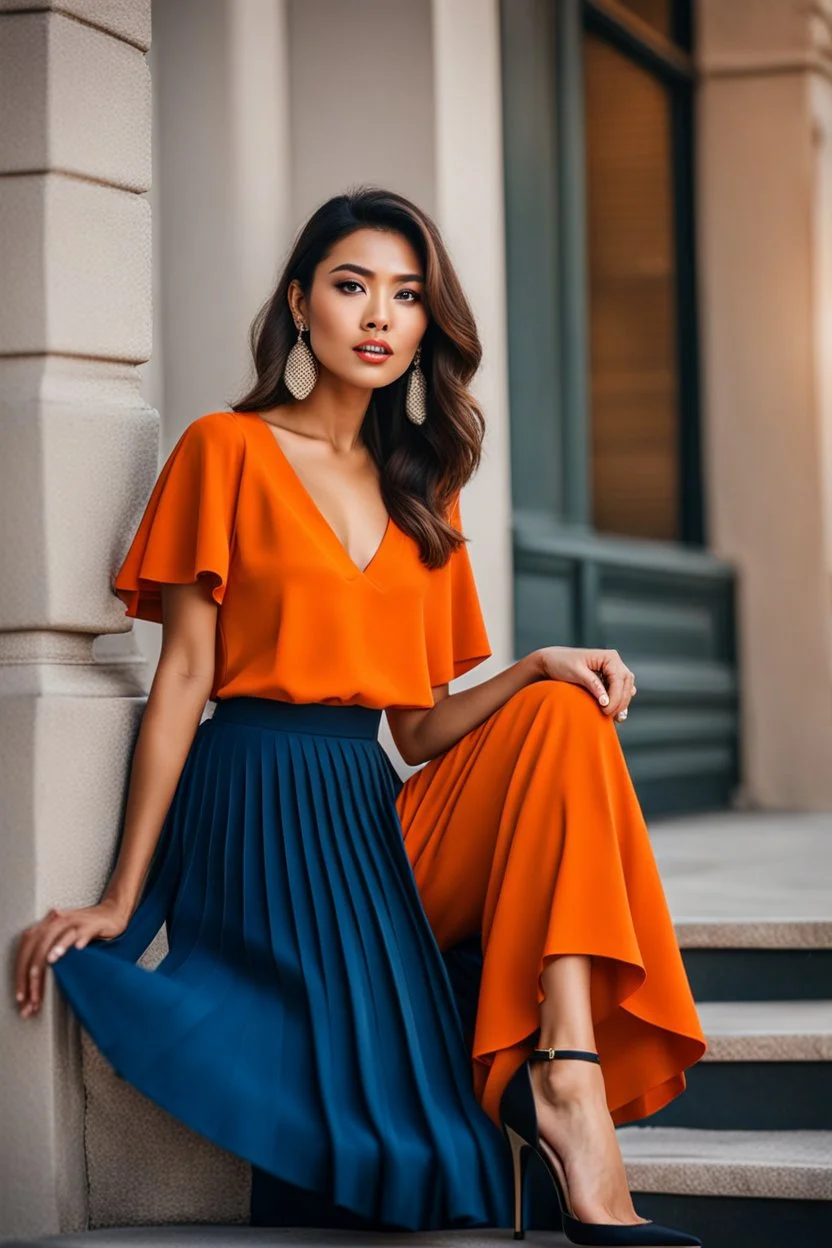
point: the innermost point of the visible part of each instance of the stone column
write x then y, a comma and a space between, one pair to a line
765, 242
469, 209
77, 452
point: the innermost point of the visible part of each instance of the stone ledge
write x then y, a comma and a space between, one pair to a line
197, 1235
788, 1165
754, 934
747, 879
124, 19
767, 1031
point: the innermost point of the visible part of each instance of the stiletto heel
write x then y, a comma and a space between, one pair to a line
518, 1115
519, 1159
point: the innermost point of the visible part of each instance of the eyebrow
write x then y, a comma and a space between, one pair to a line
358, 268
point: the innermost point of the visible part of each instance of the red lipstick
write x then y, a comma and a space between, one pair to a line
364, 350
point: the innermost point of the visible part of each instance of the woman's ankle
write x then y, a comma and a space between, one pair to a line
567, 1081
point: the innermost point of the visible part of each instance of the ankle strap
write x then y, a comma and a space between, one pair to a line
546, 1055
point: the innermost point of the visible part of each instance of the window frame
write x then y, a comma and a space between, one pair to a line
671, 62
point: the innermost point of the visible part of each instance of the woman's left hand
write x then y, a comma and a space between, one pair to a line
603, 672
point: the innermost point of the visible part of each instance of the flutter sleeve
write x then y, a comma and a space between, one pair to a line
188, 523
455, 635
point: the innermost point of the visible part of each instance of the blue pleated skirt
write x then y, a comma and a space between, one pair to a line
304, 1017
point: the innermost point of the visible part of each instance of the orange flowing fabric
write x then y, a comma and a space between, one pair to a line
527, 830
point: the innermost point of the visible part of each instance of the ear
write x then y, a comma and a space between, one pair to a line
297, 303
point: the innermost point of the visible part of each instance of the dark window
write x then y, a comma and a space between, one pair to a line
632, 280
642, 447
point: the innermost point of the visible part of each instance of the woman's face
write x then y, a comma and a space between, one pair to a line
369, 287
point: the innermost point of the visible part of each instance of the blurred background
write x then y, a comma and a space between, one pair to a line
637, 195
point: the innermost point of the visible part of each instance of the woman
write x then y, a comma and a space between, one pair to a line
303, 552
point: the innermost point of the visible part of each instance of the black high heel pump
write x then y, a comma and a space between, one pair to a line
519, 1119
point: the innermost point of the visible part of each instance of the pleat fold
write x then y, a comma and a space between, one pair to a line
303, 1017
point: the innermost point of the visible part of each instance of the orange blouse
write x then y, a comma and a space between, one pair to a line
298, 620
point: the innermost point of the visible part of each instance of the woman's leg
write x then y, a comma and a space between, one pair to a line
528, 831
571, 1098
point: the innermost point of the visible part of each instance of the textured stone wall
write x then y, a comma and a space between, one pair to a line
77, 453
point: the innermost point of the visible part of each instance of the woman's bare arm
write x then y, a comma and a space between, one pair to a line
422, 733
175, 703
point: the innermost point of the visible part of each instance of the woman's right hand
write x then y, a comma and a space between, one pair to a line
44, 942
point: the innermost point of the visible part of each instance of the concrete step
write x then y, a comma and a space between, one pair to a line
767, 1031
754, 932
721, 973
198, 1235
755, 879
768, 1068
787, 1165
772, 1189
751, 898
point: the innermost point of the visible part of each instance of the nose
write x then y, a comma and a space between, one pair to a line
377, 320
379, 323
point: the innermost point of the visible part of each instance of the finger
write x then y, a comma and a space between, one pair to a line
616, 688
49, 930
25, 951
33, 1004
26, 982
627, 694
592, 677
596, 687
85, 938
62, 942
25, 943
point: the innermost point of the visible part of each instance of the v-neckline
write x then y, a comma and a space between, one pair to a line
314, 510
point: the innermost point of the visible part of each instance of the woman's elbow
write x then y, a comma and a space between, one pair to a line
404, 728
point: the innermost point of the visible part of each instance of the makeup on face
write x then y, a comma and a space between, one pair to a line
369, 301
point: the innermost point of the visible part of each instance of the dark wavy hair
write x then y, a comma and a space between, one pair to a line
421, 467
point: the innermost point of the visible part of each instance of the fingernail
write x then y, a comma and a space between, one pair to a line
604, 699
18, 996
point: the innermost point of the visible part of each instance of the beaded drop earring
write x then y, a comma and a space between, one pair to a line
416, 401
301, 371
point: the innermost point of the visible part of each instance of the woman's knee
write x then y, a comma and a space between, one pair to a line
563, 697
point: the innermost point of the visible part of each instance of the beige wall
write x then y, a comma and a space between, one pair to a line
764, 177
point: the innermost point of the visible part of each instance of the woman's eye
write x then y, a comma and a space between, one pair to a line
349, 282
